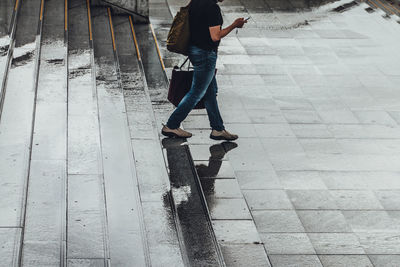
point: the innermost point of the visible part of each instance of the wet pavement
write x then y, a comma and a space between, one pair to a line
311, 87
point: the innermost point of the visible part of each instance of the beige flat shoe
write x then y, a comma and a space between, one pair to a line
223, 135
177, 133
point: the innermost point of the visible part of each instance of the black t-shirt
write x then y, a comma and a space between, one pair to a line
204, 14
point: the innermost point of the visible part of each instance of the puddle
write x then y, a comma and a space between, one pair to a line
4, 50
78, 73
22, 59
55, 61
370, 10
345, 7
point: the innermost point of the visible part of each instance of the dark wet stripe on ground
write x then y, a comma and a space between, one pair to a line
201, 246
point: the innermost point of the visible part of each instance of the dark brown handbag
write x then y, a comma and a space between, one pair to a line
180, 84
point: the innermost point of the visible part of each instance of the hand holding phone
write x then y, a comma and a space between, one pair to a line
240, 22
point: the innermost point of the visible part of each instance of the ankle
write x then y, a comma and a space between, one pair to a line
169, 128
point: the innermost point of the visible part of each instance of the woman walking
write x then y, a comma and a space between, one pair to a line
206, 32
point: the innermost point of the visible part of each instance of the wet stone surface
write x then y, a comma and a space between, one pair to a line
312, 118
311, 87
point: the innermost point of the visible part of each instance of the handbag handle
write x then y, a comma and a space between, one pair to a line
184, 62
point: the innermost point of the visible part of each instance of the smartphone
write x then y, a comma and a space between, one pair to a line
247, 18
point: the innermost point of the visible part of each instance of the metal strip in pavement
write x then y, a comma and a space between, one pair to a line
134, 39
66, 15
41, 10
111, 28
157, 47
90, 20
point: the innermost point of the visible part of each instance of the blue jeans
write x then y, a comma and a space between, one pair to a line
204, 85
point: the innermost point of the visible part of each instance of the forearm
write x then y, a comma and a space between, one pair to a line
226, 31
217, 33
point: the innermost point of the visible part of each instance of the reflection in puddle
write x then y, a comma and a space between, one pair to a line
207, 172
217, 153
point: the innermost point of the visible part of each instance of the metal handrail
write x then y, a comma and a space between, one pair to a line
130, 12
